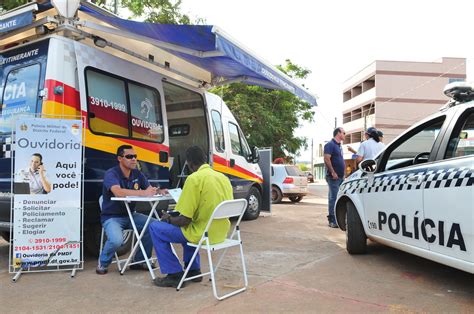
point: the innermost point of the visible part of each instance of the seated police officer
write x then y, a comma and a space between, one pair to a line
119, 181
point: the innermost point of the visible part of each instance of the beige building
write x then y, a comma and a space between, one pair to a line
393, 95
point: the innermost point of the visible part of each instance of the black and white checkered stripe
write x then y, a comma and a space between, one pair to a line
7, 148
432, 179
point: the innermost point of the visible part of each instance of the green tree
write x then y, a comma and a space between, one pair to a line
155, 11
11, 4
270, 117
303, 167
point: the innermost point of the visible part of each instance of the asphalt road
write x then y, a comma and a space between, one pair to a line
295, 264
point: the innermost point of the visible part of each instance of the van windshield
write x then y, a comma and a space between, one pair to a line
19, 94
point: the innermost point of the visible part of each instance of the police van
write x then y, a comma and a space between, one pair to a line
418, 194
75, 60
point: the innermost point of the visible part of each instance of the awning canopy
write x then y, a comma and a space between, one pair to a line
207, 47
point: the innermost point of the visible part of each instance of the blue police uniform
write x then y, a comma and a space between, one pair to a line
114, 215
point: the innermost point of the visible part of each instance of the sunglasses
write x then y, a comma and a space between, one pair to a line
130, 156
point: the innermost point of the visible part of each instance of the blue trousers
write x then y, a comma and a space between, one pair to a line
162, 235
333, 187
114, 230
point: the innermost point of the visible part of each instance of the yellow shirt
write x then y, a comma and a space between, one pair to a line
202, 192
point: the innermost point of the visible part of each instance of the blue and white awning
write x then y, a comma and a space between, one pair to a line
211, 49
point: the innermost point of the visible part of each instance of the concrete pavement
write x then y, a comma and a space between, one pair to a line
295, 264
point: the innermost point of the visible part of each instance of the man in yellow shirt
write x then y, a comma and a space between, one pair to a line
203, 191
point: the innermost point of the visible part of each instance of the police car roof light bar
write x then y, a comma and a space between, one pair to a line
460, 91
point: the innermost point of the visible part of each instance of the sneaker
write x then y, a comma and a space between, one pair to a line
333, 225
141, 266
195, 272
170, 280
101, 270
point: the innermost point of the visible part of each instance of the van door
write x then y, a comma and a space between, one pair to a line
230, 149
22, 74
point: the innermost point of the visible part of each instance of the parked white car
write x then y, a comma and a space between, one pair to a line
418, 195
288, 181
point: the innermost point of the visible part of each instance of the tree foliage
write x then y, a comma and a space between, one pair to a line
269, 117
155, 11
11, 4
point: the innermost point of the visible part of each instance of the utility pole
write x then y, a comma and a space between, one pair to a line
335, 122
116, 7
312, 152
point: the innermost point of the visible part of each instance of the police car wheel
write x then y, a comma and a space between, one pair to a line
356, 240
276, 195
254, 199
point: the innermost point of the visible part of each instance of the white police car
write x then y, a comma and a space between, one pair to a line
418, 195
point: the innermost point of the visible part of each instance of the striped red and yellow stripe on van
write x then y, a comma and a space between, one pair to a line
223, 165
67, 105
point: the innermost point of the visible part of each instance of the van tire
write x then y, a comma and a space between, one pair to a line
356, 239
6, 235
92, 241
254, 199
277, 196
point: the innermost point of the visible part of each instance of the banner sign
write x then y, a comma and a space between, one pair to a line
47, 187
15, 22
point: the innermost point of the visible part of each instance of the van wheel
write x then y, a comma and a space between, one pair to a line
356, 239
92, 241
276, 195
6, 235
295, 199
254, 200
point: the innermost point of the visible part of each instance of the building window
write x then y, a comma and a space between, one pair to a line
452, 80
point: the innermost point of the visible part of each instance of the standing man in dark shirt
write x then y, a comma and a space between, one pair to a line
335, 166
119, 181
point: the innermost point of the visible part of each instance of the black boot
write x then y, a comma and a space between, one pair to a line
193, 272
170, 280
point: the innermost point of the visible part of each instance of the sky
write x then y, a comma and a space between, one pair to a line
336, 39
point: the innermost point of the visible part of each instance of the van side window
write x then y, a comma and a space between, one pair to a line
218, 131
235, 139
119, 107
107, 104
461, 142
147, 122
20, 94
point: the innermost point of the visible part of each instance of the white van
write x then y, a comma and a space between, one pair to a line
156, 103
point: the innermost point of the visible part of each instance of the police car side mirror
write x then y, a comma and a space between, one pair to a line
368, 166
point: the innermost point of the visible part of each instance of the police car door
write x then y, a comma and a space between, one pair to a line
448, 192
393, 200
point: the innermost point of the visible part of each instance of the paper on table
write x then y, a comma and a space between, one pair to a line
175, 193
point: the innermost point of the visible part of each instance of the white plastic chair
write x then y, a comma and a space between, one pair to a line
224, 210
118, 261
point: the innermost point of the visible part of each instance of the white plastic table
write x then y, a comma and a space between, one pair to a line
154, 201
